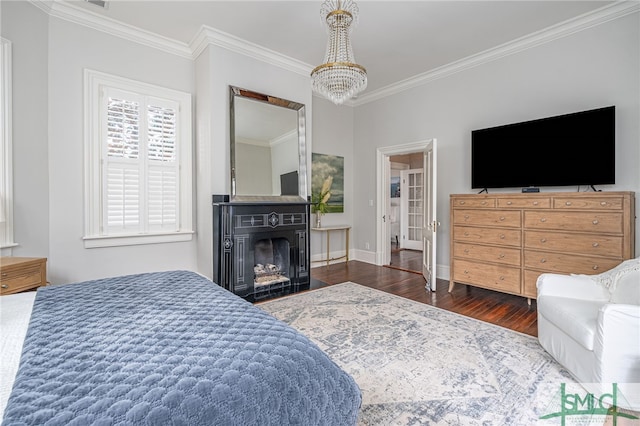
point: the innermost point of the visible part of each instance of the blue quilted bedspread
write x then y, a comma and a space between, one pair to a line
170, 348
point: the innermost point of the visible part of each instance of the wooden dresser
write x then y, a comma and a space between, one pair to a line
504, 241
22, 273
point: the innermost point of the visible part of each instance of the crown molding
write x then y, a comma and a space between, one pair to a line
72, 13
599, 16
44, 5
284, 138
211, 36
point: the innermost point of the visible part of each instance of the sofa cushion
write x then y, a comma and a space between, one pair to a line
575, 317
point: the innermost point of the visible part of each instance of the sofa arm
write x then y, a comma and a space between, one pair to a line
571, 286
617, 343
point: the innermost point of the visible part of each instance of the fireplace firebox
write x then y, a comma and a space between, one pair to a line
260, 249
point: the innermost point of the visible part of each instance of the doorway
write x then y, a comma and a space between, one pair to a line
405, 212
415, 165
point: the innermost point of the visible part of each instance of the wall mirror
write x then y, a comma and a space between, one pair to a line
268, 153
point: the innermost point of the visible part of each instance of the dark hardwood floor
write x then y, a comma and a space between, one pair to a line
506, 310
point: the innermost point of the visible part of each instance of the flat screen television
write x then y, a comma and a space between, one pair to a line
570, 149
289, 183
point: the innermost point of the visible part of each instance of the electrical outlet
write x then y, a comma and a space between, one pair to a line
366, 246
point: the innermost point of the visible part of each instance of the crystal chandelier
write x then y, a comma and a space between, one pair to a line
339, 77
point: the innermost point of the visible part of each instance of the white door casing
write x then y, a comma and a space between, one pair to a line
430, 225
383, 243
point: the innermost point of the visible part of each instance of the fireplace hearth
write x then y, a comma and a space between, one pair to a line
260, 250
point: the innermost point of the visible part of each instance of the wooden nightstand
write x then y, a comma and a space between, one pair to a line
22, 273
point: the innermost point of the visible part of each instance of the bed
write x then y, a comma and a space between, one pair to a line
168, 348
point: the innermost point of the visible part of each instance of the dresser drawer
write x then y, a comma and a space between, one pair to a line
567, 263
506, 237
22, 279
506, 218
575, 221
474, 202
494, 277
589, 244
537, 203
507, 256
604, 203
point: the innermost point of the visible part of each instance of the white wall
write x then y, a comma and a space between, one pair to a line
216, 69
595, 67
30, 149
73, 48
333, 135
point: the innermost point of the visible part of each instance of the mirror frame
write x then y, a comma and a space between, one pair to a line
237, 92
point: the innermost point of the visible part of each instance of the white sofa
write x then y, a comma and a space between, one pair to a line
591, 326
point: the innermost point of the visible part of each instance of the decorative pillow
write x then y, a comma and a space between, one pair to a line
627, 275
627, 288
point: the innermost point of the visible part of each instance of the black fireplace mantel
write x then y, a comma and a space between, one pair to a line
260, 249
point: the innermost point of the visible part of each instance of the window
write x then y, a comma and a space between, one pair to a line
138, 163
6, 174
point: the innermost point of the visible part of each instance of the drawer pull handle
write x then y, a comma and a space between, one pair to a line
4, 274
466, 251
509, 203
501, 278
595, 267
461, 202
603, 203
595, 244
484, 203
543, 260
595, 222
535, 203
543, 240
466, 271
543, 219
502, 236
568, 203
501, 218
5, 286
466, 234
466, 217
501, 256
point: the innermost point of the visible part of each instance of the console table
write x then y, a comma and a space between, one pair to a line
327, 230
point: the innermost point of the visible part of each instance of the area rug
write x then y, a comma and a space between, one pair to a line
420, 365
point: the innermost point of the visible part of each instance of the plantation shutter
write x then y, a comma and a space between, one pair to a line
121, 165
140, 164
163, 201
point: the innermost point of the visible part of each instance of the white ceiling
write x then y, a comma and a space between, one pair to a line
394, 40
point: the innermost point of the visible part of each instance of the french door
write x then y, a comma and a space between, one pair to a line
412, 200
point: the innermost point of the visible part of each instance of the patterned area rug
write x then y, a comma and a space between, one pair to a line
420, 365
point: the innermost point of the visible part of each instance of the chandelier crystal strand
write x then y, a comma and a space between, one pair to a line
339, 78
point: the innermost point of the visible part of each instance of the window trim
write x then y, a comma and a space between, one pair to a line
6, 145
94, 236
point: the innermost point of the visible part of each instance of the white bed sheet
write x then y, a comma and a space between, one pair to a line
15, 312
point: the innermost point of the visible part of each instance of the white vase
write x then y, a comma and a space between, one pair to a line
318, 220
